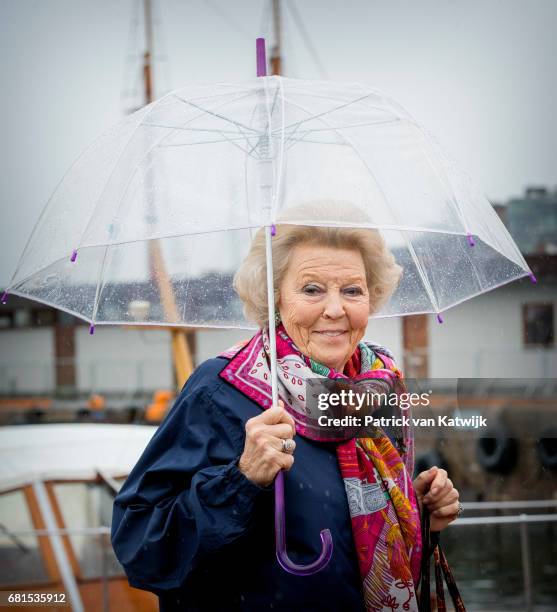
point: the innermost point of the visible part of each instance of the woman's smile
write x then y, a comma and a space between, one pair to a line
336, 334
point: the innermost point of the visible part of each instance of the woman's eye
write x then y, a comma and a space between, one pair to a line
311, 290
354, 291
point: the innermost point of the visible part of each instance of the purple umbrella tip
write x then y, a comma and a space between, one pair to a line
260, 56
273, 230
91, 329
532, 277
471, 240
4, 297
439, 318
74, 255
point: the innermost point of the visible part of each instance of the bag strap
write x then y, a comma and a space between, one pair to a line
431, 545
451, 583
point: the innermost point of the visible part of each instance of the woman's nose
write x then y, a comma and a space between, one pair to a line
334, 308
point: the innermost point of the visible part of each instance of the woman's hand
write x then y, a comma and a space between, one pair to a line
434, 489
263, 456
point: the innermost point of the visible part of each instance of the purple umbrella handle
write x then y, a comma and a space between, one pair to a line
280, 538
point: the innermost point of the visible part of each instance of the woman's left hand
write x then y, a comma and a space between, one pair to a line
435, 489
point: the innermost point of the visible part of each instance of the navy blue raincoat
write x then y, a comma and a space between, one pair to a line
190, 527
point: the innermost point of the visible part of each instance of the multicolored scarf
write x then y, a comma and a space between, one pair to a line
377, 477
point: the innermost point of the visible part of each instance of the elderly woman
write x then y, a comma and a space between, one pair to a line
194, 521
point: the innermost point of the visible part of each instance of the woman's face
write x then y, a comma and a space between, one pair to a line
324, 302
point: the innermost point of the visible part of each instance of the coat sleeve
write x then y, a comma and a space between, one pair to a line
185, 498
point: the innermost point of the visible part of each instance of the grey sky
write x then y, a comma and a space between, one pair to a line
480, 75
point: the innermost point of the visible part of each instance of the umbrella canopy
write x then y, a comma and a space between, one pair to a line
159, 212
176, 191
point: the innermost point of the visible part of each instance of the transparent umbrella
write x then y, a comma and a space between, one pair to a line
176, 191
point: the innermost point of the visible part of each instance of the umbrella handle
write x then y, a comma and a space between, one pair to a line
280, 538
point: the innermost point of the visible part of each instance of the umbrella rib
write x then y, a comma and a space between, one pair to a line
48, 302
164, 237
202, 142
191, 129
352, 125
182, 127
327, 112
222, 132
291, 138
241, 91
239, 126
465, 249
247, 138
98, 289
304, 138
244, 137
367, 95
218, 115
186, 288
272, 109
225, 138
356, 150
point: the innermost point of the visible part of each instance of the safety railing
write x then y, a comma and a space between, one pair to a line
520, 519
54, 534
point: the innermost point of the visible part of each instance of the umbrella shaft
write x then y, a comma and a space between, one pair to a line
271, 309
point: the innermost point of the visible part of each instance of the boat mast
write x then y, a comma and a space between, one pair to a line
276, 59
147, 55
183, 362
